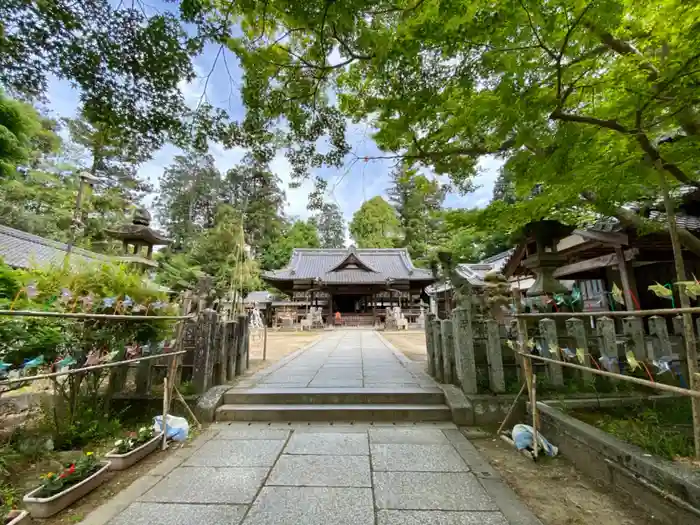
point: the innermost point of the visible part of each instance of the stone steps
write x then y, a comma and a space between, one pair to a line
334, 396
334, 412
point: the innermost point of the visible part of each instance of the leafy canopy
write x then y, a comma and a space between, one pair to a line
375, 225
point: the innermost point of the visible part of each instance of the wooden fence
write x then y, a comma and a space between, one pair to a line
479, 353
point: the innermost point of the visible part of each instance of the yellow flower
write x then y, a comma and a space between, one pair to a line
88, 453
49, 474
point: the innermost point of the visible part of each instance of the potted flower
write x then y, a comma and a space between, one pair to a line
133, 448
60, 489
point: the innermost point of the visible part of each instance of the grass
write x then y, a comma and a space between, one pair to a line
661, 428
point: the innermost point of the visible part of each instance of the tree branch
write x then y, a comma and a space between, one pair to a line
474, 151
551, 53
655, 157
558, 114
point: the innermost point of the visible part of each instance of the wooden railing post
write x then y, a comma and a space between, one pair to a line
242, 346
231, 349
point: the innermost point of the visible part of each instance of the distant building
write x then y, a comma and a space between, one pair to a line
24, 250
358, 283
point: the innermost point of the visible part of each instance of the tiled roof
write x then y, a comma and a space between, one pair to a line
24, 250
326, 264
262, 296
474, 273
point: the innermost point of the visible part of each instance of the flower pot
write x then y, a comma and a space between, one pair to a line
124, 461
45, 507
21, 519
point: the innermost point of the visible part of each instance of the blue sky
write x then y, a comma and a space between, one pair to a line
349, 186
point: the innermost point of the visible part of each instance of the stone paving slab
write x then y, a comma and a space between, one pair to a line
312, 506
321, 471
240, 453
327, 443
208, 485
180, 514
430, 491
430, 436
250, 433
416, 458
438, 517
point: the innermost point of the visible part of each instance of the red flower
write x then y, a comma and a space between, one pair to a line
62, 476
71, 469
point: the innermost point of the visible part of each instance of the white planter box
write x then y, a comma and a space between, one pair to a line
124, 461
21, 519
45, 507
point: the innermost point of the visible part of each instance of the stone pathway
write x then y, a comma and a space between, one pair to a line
318, 474
344, 359
324, 473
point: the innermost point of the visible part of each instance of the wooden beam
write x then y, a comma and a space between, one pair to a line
612, 238
626, 288
593, 264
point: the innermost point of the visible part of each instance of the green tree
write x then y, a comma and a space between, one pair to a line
25, 136
375, 225
331, 226
418, 203
190, 191
252, 187
300, 234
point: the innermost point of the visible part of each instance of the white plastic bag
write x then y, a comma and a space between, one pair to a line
177, 428
523, 439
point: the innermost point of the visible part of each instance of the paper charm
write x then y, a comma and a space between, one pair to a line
581, 355
510, 344
108, 358
108, 302
4, 366
568, 352
157, 305
554, 349
662, 366
661, 291
617, 294
31, 290
138, 308
87, 301
33, 363
67, 361
127, 301
632, 361
66, 295
608, 363
530, 343
575, 296
93, 358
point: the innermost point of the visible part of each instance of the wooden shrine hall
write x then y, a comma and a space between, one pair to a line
358, 283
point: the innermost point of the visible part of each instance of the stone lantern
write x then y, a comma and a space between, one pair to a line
542, 257
137, 238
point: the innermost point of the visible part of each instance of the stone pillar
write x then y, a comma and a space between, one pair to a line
437, 345
143, 374
577, 332
448, 354
231, 349
608, 344
548, 329
429, 349
633, 328
494, 354
241, 345
222, 347
662, 342
204, 357
464, 349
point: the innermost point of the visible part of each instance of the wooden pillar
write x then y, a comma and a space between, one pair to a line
624, 276
374, 308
